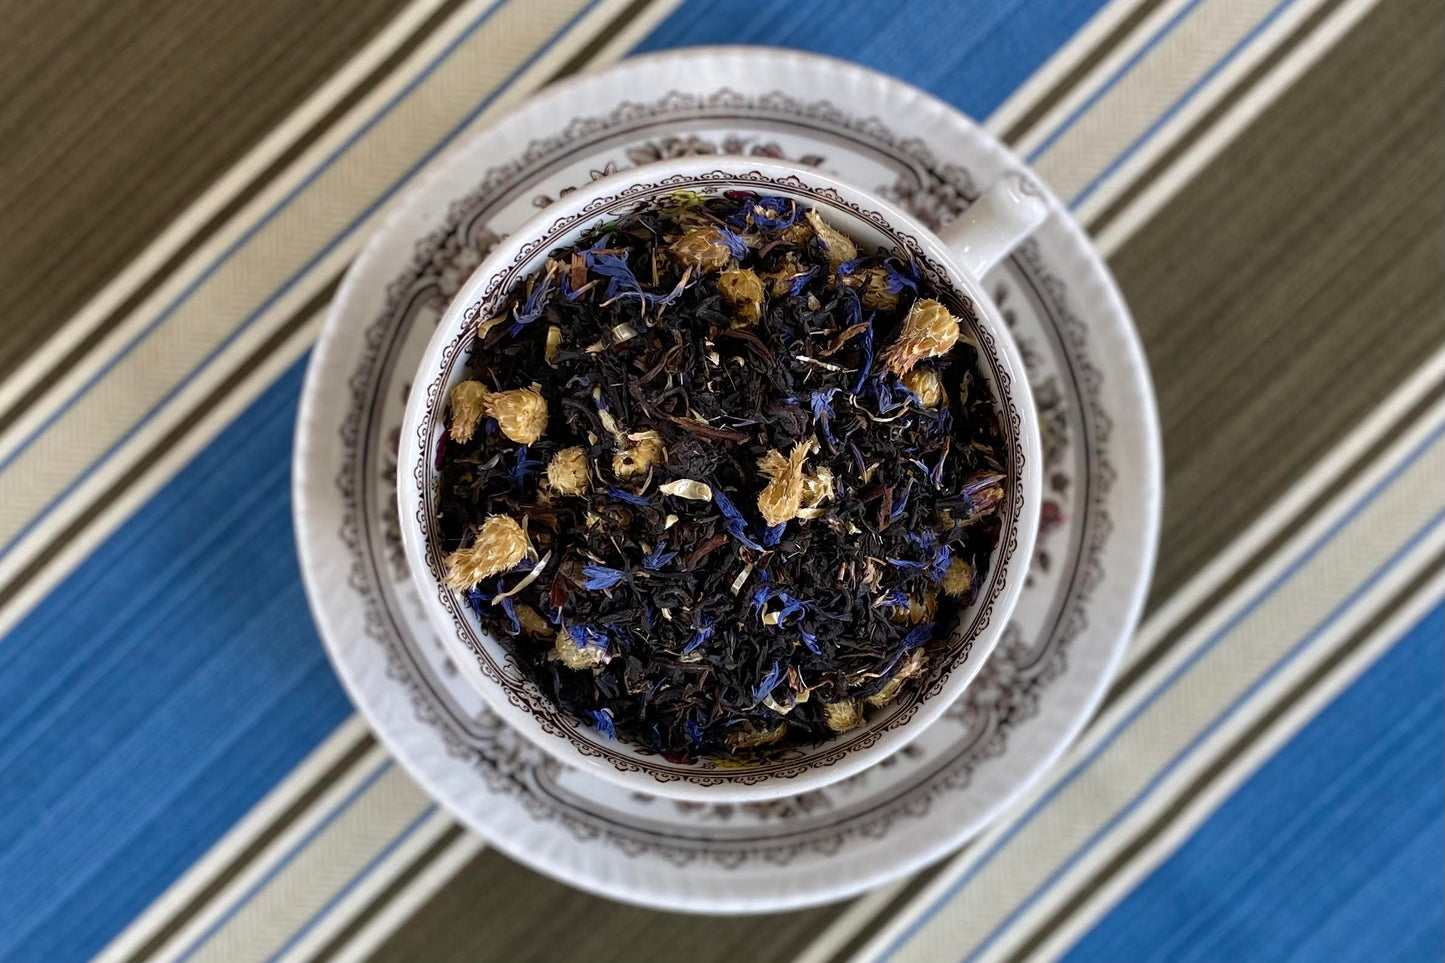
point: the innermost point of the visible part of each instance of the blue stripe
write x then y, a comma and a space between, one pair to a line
287, 859
290, 282
354, 881
1331, 851
1254, 603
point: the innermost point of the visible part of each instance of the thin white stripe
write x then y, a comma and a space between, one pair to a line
401, 907
1224, 131
296, 784
82, 324
1065, 59
1115, 716
1100, 901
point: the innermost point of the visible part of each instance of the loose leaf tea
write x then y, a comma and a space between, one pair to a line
717, 478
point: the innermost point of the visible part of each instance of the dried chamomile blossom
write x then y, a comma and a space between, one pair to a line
500, 546
873, 288
703, 248
917, 611
817, 491
644, 452
531, 620
747, 737
789, 270
521, 413
928, 331
957, 579
743, 289
844, 715
912, 665
577, 648
838, 246
780, 500
925, 383
567, 471
469, 404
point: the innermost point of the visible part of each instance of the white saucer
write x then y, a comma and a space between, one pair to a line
1090, 570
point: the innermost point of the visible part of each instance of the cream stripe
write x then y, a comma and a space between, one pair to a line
1153, 87
850, 923
82, 324
213, 311
365, 887
1072, 150
1224, 131
401, 907
296, 784
1065, 59
1180, 711
265, 919
1102, 900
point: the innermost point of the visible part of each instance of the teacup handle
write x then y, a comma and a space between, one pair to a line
996, 223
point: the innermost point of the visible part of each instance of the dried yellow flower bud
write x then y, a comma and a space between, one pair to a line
912, 666
842, 716
469, 403
928, 331
838, 246
531, 620
957, 579
588, 655
872, 283
641, 456
702, 248
781, 280
567, 471
783, 496
917, 611
521, 414
925, 383
499, 547
750, 738
817, 488
743, 289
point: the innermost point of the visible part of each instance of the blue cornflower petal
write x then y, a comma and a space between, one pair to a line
916, 637
584, 635
898, 280
510, 611
810, 640
906, 563
792, 605
801, 280
848, 267
658, 557
939, 565
601, 577
773, 534
629, 497
769, 683
694, 732
602, 719
737, 525
700, 636
901, 504
895, 599
533, 307
525, 467
775, 212
613, 267
736, 244
476, 598
867, 360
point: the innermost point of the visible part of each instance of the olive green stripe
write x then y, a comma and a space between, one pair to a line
117, 116
13, 351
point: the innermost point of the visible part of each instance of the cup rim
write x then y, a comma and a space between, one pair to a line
501, 683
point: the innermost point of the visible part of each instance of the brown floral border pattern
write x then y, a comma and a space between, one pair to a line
506, 762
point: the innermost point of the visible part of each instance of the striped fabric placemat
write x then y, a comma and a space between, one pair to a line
181, 775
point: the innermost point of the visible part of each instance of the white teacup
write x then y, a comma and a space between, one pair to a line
954, 259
